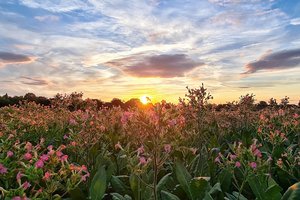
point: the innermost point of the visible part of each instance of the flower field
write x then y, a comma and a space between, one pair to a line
163, 151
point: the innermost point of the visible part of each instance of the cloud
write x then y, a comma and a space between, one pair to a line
9, 58
295, 21
273, 61
164, 65
47, 18
33, 81
57, 6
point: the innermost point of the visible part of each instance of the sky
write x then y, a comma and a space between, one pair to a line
127, 49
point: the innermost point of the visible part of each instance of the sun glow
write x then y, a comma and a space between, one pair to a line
145, 99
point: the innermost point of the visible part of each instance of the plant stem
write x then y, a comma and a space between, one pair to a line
155, 175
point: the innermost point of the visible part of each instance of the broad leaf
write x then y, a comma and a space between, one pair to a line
98, 185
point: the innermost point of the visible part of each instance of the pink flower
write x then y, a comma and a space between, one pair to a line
269, 159
238, 164
253, 165
64, 158
65, 137
84, 177
167, 148
73, 143
172, 122
72, 122
126, 116
59, 154
17, 198
50, 147
3, 170
27, 156
140, 150
26, 185
257, 153
296, 116
47, 176
19, 176
39, 164
51, 152
143, 160
28, 146
118, 146
217, 160
44, 157
194, 151
84, 168
232, 157
10, 154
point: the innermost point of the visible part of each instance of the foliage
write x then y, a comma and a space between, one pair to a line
82, 149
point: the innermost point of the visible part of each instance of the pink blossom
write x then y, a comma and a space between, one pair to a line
10, 154
44, 157
84, 177
27, 156
64, 158
167, 148
72, 122
126, 116
296, 116
59, 154
50, 147
253, 165
17, 198
232, 157
217, 160
143, 160
65, 137
26, 185
140, 150
28, 146
39, 164
257, 153
84, 168
118, 146
19, 176
194, 150
238, 164
3, 170
269, 159
73, 143
47, 176
51, 152
172, 122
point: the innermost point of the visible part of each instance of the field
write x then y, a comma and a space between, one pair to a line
164, 151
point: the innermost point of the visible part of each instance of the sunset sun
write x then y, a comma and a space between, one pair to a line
145, 99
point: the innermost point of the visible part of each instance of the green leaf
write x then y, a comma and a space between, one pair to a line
118, 185
256, 187
168, 196
273, 192
235, 196
134, 185
117, 196
98, 185
198, 188
183, 178
215, 188
293, 193
225, 179
162, 182
76, 194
